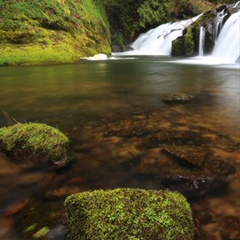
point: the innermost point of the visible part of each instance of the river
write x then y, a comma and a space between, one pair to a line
94, 103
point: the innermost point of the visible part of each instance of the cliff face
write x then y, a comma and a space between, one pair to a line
52, 31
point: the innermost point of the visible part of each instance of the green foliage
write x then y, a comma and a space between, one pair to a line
52, 31
189, 45
23, 14
123, 18
155, 12
129, 18
129, 214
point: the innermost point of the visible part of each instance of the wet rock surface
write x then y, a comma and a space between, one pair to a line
178, 98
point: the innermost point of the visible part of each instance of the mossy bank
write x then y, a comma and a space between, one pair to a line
52, 31
126, 213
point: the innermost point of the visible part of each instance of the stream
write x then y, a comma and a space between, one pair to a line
113, 113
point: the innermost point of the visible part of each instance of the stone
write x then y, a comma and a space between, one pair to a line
35, 143
178, 98
128, 213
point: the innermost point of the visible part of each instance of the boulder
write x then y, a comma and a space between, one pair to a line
128, 213
35, 143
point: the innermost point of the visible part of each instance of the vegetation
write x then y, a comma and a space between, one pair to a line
35, 142
130, 18
129, 214
52, 31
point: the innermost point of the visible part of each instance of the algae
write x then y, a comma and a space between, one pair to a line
129, 214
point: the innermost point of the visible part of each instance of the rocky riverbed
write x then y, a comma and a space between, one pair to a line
144, 148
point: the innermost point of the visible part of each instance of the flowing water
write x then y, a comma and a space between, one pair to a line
90, 102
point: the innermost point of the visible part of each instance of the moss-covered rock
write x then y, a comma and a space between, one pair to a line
35, 143
52, 31
129, 214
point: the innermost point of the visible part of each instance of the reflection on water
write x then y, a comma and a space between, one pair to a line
111, 110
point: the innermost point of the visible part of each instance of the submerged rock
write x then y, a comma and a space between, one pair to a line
178, 97
35, 143
129, 214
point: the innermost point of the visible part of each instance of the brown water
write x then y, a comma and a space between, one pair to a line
109, 110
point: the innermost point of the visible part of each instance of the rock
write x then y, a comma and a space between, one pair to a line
195, 185
220, 167
178, 98
35, 143
129, 214
59, 232
194, 155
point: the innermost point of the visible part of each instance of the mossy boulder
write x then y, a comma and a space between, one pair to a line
35, 143
52, 31
127, 213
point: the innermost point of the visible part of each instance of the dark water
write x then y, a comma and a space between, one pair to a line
90, 101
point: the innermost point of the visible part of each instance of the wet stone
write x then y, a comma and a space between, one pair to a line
178, 98
195, 185
192, 155
220, 167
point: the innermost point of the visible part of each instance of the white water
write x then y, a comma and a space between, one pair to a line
158, 41
227, 45
218, 23
201, 41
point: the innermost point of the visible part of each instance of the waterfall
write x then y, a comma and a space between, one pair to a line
201, 41
158, 41
218, 23
227, 45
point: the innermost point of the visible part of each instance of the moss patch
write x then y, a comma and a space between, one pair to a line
129, 214
35, 142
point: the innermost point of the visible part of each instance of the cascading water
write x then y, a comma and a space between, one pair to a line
218, 22
201, 41
227, 46
158, 41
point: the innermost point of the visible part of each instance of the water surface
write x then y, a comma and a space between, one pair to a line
90, 100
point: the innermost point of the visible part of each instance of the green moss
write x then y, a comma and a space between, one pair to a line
34, 141
56, 31
129, 214
189, 45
